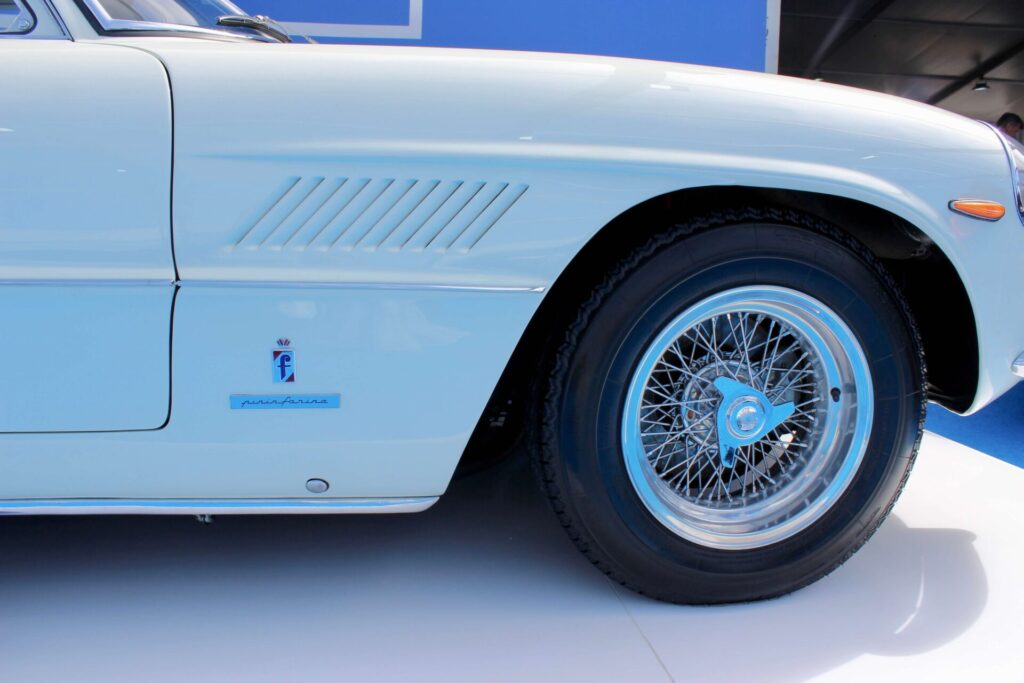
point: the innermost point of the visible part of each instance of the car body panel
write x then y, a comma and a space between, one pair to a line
85, 357
590, 137
86, 268
397, 215
86, 182
392, 356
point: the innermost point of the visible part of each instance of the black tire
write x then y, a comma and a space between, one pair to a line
579, 456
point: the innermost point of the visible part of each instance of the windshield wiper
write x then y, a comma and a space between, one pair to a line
263, 24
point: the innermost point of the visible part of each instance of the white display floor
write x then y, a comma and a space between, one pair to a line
486, 587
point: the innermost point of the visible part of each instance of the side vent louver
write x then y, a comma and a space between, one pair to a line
378, 213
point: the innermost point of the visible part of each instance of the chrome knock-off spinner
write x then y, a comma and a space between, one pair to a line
745, 416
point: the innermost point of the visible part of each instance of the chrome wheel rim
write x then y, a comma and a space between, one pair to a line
747, 417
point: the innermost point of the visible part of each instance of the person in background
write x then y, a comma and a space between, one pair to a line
1010, 124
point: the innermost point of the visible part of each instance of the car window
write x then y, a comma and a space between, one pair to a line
15, 17
202, 13
190, 16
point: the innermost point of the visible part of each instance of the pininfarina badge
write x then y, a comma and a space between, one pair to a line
284, 362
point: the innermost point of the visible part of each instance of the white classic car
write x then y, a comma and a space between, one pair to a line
246, 276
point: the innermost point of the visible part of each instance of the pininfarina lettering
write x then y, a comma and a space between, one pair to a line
285, 401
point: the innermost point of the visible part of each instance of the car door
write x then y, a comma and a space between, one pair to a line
86, 267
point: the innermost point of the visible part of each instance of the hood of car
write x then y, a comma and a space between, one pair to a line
341, 94
589, 136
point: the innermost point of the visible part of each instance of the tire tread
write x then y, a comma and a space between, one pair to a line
544, 452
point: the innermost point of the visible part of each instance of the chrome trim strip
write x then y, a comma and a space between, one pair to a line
1015, 176
355, 285
269, 284
126, 25
99, 282
57, 18
273, 506
1017, 366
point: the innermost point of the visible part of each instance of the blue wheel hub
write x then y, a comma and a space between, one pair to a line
744, 416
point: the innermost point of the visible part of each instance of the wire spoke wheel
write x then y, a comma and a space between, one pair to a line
735, 408
747, 417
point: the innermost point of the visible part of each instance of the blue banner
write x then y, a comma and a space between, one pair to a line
730, 34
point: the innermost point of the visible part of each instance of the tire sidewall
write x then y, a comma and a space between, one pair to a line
618, 334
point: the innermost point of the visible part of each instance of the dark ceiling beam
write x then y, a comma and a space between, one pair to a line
993, 62
844, 29
956, 25
934, 77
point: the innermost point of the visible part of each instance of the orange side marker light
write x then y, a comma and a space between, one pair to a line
978, 208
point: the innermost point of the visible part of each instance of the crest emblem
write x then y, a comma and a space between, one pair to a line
283, 363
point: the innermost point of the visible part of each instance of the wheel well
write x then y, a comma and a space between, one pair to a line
929, 282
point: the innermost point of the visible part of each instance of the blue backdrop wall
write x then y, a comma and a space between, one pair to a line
730, 33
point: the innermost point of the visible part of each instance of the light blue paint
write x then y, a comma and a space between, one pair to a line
730, 34
285, 401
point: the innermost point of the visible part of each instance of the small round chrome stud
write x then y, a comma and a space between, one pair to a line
748, 418
317, 486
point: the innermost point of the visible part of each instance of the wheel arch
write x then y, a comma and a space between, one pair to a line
934, 290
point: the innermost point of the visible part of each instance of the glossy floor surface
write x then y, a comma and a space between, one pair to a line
486, 586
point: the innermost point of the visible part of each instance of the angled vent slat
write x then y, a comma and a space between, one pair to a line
372, 216
408, 228
444, 215
398, 213
312, 214
277, 216
301, 215
262, 212
347, 190
340, 224
373, 213
458, 225
489, 218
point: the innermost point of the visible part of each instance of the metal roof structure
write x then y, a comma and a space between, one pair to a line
943, 52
